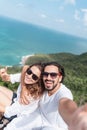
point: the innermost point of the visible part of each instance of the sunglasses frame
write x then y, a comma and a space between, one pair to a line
34, 76
53, 75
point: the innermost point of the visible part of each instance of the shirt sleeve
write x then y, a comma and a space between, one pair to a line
12, 110
64, 92
15, 77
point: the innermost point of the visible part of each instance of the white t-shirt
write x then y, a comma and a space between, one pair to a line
19, 109
16, 108
45, 116
49, 107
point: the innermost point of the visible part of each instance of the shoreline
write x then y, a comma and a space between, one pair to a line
24, 59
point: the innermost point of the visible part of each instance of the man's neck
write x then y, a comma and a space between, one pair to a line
54, 90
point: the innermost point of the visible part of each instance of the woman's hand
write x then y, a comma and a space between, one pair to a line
4, 75
24, 96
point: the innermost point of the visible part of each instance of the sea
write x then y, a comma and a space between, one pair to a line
19, 39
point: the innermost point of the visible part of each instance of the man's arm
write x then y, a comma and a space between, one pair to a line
67, 108
75, 117
79, 121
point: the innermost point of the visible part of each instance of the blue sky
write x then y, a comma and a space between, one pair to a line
69, 16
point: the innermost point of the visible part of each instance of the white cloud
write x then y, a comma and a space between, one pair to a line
20, 5
84, 16
70, 2
54, 0
84, 10
43, 16
60, 20
77, 15
85, 19
61, 8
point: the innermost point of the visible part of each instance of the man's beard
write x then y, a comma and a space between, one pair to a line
54, 86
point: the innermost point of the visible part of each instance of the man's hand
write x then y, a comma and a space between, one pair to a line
79, 121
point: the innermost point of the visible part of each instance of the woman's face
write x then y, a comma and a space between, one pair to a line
32, 75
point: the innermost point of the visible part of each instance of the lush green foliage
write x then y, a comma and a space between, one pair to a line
75, 70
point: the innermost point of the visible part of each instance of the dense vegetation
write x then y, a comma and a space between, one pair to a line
75, 70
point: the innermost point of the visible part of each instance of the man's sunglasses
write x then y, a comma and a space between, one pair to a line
53, 75
34, 76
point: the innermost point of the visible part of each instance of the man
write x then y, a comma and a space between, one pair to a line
56, 105
57, 109
57, 102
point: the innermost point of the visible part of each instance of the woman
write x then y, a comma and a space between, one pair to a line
30, 81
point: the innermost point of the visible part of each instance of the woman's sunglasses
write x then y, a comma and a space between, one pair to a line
34, 76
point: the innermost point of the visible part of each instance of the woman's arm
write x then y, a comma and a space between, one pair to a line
17, 78
9, 77
12, 110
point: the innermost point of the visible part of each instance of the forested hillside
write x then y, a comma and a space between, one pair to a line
75, 70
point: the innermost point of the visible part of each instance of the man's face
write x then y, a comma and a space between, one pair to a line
51, 77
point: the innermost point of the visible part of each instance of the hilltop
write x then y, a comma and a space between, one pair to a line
75, 70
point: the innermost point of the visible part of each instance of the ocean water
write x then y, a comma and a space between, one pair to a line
18, 39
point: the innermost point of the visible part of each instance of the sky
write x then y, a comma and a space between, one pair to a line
68, 16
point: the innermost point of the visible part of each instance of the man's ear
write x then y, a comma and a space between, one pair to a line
60, 78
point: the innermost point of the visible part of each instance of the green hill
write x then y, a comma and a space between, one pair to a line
75, 70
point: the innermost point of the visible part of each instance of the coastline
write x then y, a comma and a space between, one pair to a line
24, 59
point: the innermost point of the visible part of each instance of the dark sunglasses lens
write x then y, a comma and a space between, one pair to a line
45, 74
34, 77
29, 71
53, 75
